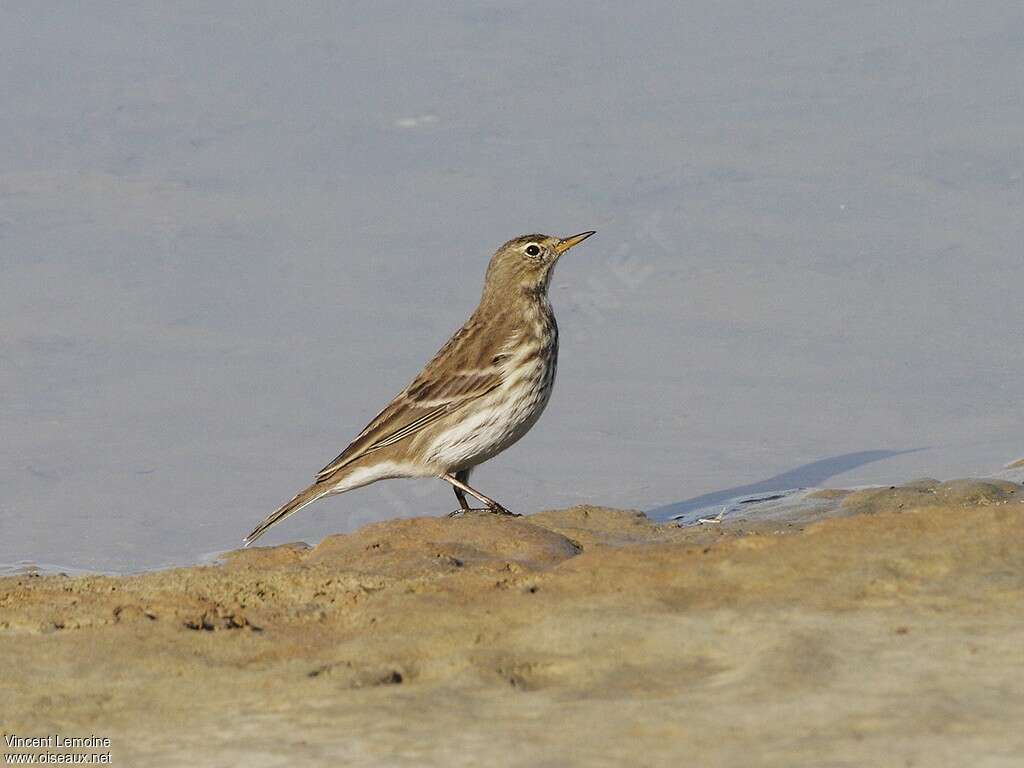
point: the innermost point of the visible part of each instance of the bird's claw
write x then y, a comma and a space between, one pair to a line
497, 509
461, 512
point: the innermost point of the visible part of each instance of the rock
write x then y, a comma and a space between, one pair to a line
426, 545
930, 493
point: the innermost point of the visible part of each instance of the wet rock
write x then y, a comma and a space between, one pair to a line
930, 493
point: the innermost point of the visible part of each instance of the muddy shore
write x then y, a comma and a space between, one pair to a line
883, 628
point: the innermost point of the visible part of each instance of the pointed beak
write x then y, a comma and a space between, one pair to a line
569, 242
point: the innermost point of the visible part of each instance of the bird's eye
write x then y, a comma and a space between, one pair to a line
532, 250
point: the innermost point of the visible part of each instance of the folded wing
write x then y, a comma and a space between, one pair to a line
438, 391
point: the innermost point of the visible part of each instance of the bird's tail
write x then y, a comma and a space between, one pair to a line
308, 496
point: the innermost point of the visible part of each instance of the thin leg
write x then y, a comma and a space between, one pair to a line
491, 504
463, 477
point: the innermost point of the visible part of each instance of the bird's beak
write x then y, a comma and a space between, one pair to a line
569, 242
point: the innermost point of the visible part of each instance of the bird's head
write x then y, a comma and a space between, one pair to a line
525, 263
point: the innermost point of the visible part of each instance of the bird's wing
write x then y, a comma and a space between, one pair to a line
460, 373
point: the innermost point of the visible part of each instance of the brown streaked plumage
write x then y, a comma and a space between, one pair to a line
482, 391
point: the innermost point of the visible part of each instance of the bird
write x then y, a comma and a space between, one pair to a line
483, 390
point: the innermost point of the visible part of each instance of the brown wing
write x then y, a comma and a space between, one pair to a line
462, 371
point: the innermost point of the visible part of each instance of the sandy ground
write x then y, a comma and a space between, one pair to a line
886, 628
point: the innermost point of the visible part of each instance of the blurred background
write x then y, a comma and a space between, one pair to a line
230, 232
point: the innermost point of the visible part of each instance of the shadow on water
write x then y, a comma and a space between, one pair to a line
806, 476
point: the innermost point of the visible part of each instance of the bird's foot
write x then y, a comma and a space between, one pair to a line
497, 509
461, 512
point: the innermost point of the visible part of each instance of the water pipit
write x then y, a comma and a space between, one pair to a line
482, 391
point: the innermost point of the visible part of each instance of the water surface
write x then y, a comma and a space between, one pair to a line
230, 232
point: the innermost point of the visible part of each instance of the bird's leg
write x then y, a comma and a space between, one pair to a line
463, 477
460, 485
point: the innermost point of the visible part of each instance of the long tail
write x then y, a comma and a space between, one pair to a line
308, 496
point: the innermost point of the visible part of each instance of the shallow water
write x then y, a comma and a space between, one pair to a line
230, 235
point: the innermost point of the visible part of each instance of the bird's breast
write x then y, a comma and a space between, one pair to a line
500, 418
